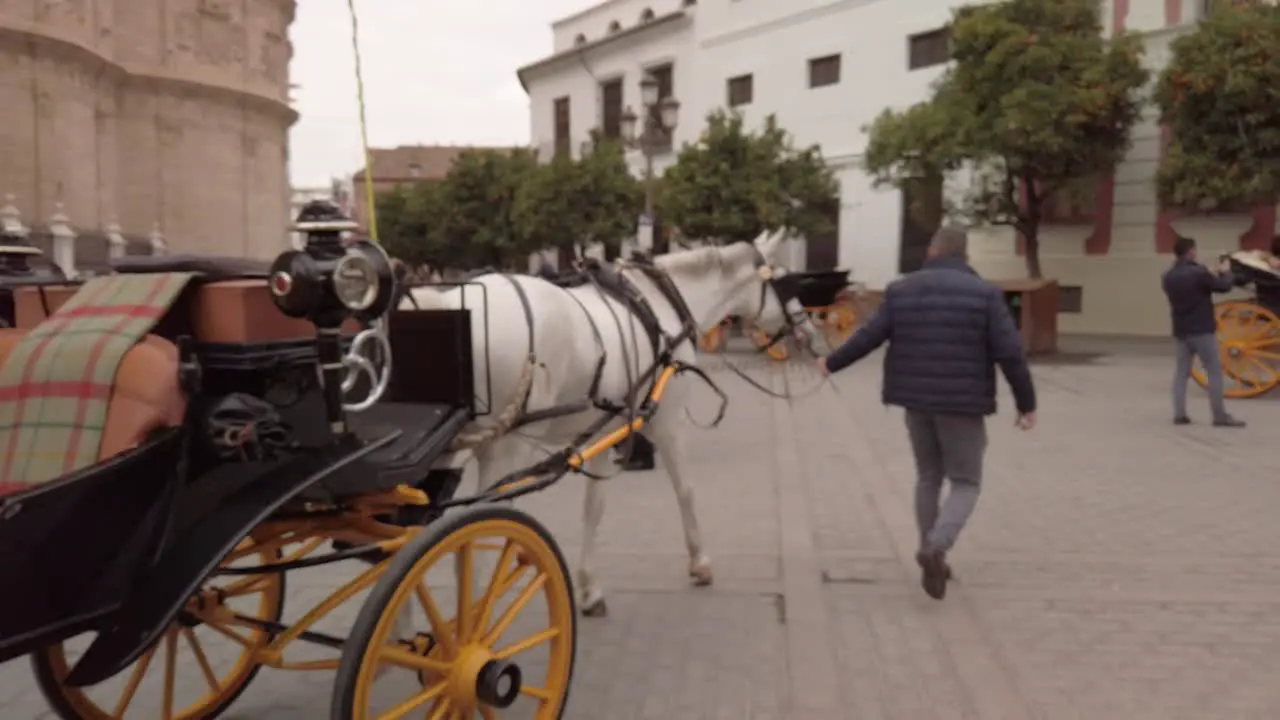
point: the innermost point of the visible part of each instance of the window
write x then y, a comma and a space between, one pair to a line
824, 71
1070, 299
611, 108
562, 125
647, 15
415, 170
1077, 203
665, 76
580, 39
740, 90
928, 49
615, 27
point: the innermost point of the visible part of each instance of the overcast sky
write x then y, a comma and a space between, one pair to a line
435, 72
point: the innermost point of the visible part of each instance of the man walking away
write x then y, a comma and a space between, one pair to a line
947, 329
1190, 288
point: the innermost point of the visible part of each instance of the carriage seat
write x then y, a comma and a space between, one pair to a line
146, 395
213, 268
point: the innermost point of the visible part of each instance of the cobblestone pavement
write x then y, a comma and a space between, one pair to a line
1117, 567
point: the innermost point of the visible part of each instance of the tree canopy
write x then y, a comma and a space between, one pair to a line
570, 204
1035, 101
733, 184
1219, 96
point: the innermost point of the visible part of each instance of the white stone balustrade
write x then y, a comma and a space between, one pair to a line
11, 219
159, 246
64, 242
117, 246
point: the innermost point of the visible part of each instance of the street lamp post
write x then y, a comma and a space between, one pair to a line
660, 116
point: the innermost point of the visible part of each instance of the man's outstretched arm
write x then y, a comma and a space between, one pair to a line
870, 336
1006, 350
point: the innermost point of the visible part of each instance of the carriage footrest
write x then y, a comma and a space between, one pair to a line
427, 432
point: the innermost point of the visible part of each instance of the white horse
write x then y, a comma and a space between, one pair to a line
570, 329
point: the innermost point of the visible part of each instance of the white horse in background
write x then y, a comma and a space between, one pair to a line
713, 281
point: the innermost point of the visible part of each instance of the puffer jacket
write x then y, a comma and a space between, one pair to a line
947, 330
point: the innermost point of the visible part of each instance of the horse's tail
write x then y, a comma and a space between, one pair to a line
475, 435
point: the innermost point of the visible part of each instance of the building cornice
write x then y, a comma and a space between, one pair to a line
133, 73
585, 12
785, 21
659, 23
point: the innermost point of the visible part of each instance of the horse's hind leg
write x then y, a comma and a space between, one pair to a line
666, 443
592, 601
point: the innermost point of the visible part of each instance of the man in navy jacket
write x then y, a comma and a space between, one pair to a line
1190, 288
947, 331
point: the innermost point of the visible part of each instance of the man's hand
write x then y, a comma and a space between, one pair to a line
1026, 421
822, 367
1224, 265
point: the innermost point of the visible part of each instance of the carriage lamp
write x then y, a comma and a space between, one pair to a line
327, 281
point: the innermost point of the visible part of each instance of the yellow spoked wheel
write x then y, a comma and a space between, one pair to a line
197, 668
779, 349
497, 642
1249, 346
712, 341
839, 320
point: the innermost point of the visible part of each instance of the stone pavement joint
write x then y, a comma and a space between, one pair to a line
810, 654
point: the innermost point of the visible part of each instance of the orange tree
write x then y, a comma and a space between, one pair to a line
1035, 100
734, 184
1220, 98
570, 204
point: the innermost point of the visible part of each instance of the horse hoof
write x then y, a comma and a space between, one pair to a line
595, 609
701, 574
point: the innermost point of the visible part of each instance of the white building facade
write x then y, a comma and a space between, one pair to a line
826, 68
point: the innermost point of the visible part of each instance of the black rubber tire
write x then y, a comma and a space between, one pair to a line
51, 687
344, 685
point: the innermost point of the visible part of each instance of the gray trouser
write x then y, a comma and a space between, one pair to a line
1204, 347
951, 447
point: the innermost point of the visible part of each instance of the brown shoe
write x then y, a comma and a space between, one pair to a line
934, 572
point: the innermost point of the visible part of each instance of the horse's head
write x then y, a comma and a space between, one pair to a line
738, 280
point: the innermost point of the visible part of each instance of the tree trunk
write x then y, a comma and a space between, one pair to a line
1031, 240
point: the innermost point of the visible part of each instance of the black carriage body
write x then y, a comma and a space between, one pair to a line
1266, 284
813, 289
118, 547
70, 548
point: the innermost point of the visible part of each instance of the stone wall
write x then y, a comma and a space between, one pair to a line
146, 112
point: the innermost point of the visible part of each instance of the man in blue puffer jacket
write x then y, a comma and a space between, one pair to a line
947, 331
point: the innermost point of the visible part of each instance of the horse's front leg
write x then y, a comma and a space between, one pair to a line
666, 443
592, 601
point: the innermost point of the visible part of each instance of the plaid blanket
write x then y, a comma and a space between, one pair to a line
56, 383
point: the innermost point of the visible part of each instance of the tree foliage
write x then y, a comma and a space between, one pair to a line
733, 184
477, 225
409, 224
1219, 96
570, 204
1035, 101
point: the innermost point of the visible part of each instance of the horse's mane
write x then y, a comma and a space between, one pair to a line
703, 260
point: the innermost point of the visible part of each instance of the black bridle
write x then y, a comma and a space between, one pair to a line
791, 324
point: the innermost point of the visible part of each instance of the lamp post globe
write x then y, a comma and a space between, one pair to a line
628, 125
669, 111
648, 91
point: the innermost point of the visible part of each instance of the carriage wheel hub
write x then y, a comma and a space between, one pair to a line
498, 684
1234, 351
477, 676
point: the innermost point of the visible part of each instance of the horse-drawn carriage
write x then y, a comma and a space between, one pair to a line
180, 435
829, 299
1249, 330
